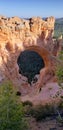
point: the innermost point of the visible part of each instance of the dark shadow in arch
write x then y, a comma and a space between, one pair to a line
30, 63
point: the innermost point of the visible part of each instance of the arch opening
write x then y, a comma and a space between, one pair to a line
30, 63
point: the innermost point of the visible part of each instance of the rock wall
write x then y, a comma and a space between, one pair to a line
17, 35
34, 31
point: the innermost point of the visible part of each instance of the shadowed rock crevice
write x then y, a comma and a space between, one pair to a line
30, 63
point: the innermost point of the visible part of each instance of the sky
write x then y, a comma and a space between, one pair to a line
31, 8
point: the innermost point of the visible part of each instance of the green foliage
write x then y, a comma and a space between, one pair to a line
11, 111
60, 106
40, 112
59, 69
27, 103
61, 55
59, 73
59, 119
58, 30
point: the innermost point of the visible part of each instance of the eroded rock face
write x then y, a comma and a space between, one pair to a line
18, 35
34, 31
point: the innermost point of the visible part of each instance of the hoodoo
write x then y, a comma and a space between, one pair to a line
26, 47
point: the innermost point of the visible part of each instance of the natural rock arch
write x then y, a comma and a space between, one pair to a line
40, 54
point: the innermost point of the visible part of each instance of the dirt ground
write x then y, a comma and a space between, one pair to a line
50, 93
48, 124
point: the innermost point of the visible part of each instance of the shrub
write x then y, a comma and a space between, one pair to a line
60, 105
27, 103
60, 112
11, 111
59, 73
41, 112
59, 119
59, 69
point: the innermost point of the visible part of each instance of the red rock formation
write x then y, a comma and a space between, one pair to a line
17, 35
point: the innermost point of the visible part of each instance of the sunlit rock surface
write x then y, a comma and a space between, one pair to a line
18, 35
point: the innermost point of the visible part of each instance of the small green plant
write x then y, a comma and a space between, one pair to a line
11, 110
27, 103
59, 73
60, 105
59, 118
